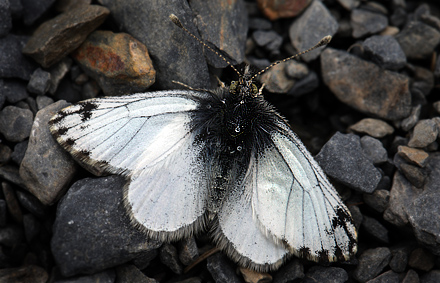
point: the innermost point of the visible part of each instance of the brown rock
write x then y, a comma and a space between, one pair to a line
425, 132
282, 9
413, 155
61, 35
415, 175
365, 86
373, 127
421, 259
117, 61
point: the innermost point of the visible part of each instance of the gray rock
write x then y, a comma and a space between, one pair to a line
423, 213
371, 263
365, 22
14, 208
130, 273
14, 90
13, 64
5, 18
375, 229
418, 40
325, 274
378, 200
399, 260
188, 251
412, 277
15, 123
168, 256
423, 80
33, 10
106, 276
259, 24
415, 175
386, 277
57, 72
365, 86
385, 51
39, 82
46, 168
373, 148
268, 39
31, 203
222, 270
425, 132
318, 19
349, 4
373, 127
431, 277
276, 79
305, 85
19, 152
409, 122
342, 158
98, 233
176, 55
421, 259
43, 101
293, 270
68, 91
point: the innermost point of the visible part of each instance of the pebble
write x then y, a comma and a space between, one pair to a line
19, 151
267, 39
28, 273
371, 263
5, 18
414, 174
373, 148
14, 90
409, 122
421, 259
43, 101
374, 228
424, 133
15, 123
57, 73
307, 84
317, 18
48, 44
282, 9
401, 197
46, 180
399, 259
12, 62
423, 80
31, 203
365, 22
412, 276
259, 24
39, 82
373, 127
431, 277
385, 51
276, 80
130, 273
3, 217
378, 200
349, 77
342, 158
31, 227
221, 268
349, 4
388, 277
80, 245
188, 251
418, 40
291, 271
106, 276
170, 258
413, 155
5, 154
11, 236
325, 274
117, 61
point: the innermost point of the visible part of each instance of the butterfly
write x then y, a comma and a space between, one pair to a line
221, 160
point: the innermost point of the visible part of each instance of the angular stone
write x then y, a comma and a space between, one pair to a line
46, 168
385, 51
342, 158
97, 234
276, 79
12, 62
365, 22
15, 123
61, 35
373, 127
409, 122
371, 263
424, 133
14, 90
222, 23
374, 149
317, 18
375, 229
177, 56
378, 200
388, 277
365, 86
418, 40
117, 61
413, 155
39, 82
282, 9
57, 72
222, 269
414, 174
169, 257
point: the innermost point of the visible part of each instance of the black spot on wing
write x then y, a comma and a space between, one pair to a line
304, 252
323, 256
86, 109
70, 142
341, 219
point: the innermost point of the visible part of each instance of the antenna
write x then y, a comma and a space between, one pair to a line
178, 23
324, 41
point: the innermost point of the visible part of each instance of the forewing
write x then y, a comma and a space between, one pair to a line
296, 204
150, 138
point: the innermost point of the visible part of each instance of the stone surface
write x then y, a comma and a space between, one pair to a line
276, 79
12, 62
130, 273
61, 35
375, 229
168, 256
46, 180
97, 234
424, 133
413, 155
365, 86
342, 158
399, 259
106, 276
57, 72
15, 123
418, 40
221, 269
366, 22
188, 251
14, 90
409, 122
374, 149
325, 274
117, 61
421, 259
282, 9
385, 51
371, 263
373, 127
39, 82
292, 270
317, 18
415, 175
386, 277
378, 200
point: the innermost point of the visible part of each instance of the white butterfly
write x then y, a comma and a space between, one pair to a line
222, 159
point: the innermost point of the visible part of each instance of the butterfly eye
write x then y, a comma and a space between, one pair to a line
233, 86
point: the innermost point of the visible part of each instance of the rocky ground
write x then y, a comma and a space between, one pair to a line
367, 106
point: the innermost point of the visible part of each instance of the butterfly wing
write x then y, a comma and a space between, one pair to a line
150, 138
296, 204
